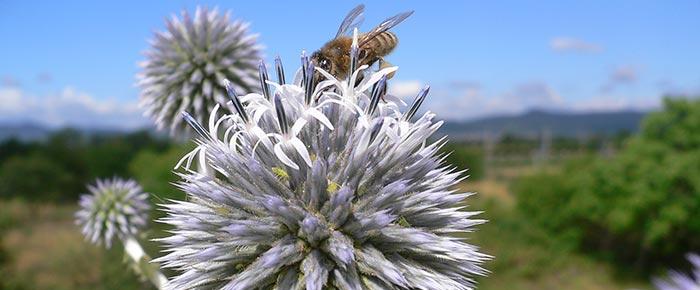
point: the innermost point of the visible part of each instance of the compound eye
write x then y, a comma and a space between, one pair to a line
325, 64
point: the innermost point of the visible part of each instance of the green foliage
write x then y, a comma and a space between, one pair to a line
154, 171
35, 177
640, 208
465, 157
58, 169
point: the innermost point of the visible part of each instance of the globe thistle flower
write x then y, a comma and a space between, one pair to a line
680, 281
321, 185
113, 208
119, 208
186, 64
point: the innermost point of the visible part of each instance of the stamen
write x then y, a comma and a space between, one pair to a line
195, 125
304, 66
309, 84
416, 103
375, 130
262, 72
235, 101
280, 70
354, 51
281, 116
377, 94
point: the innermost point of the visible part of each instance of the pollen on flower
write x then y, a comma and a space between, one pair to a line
333, 186
280, 173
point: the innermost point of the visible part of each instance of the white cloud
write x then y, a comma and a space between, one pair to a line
69, 108
405, 89
613, 103
570, 44
534, 94
473, 102
621, 75
669, 87
11, 99
9, 82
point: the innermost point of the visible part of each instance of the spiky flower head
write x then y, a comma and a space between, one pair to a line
114, 208
186, 64
321, 185
680, 281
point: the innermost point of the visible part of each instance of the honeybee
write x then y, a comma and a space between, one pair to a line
334, 56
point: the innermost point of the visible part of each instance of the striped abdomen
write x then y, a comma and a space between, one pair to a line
377, 47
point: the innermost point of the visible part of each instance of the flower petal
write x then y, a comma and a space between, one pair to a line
283, 157
320, 117
298, 125
301, 148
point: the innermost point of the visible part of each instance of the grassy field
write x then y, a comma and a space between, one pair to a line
526, 258
45, 250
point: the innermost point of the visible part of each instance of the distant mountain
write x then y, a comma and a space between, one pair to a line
530, 124
23, 131
558, 124
37, 132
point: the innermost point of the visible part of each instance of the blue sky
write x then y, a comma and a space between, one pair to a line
62, 58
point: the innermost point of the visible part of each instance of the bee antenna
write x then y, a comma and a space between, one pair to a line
280, 70
377, 94
416, 103
237, 105
262, 72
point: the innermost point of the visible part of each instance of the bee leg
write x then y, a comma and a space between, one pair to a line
385, 64
359, 79
382, 65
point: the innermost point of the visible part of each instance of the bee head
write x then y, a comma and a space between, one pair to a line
322, 61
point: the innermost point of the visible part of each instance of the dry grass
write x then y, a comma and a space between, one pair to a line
526, 258
489, 188
47, 251
53, 255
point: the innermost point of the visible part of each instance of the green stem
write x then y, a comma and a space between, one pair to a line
142, 263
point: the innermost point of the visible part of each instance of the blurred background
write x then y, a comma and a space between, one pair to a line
579, 123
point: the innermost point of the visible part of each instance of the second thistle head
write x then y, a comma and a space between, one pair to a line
186, 65
114, 208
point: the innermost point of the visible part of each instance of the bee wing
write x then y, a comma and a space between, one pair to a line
353, 19
384, 26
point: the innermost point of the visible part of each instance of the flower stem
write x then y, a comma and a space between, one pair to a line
142, 263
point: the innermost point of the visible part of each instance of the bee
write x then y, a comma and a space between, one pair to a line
334, 56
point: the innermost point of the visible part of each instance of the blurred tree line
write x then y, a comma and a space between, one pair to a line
639, 209
56, 170
465, 157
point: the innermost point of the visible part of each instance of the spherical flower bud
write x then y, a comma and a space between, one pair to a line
113, 208
187, 63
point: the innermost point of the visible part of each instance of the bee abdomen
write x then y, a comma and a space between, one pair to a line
384, 43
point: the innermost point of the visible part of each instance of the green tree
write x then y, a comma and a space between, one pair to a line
465, 157
35, 177
154, 171
641, 207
